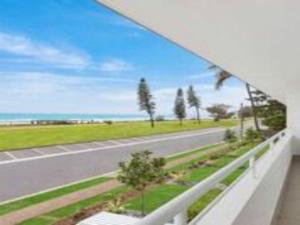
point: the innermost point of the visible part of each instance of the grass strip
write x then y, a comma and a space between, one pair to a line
156, 197
39, 198
12, 138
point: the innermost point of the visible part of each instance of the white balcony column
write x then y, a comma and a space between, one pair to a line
252, 166
181, 218
293, 119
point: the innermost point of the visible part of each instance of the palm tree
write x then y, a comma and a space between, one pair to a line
222, 76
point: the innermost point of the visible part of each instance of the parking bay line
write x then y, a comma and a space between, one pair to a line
109, 147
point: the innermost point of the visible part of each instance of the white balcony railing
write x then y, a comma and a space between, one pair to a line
176, 209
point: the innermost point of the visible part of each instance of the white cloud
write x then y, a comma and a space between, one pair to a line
50, 92
22, 46
115, 65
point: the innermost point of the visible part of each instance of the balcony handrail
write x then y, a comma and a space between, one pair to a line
177, 208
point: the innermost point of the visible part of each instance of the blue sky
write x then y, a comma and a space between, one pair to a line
66, 56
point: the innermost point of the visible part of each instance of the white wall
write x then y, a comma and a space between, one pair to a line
293, 119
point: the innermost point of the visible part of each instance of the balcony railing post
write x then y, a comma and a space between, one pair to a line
271, 145
181, 218
252, 166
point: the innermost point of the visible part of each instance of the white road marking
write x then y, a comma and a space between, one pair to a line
15, 160
114, 142
125, 141
98, 144
11, 155
63, 148
37, 151
81, 145
137, 139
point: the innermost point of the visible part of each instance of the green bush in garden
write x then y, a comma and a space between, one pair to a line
253, 135
230, 136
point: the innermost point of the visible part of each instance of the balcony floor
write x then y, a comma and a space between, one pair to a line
290, 207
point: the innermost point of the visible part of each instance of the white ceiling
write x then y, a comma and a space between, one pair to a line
257, 40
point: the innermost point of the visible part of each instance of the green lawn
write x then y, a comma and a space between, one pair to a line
156, 196
20, 204
12, 138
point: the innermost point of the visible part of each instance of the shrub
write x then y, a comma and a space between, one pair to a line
109, 122
115, 206
230, 136
215, 155
179, 176
193, 166
160, 118
198, 164
253, 135
201, 162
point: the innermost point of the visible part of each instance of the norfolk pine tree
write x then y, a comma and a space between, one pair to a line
145, 100
194, 101
179, 108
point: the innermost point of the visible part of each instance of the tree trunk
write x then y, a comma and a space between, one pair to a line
151, 120
180, 121
253, 107
198, 114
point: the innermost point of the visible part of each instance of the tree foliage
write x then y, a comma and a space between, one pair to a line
179, 108
141, 171
194, 101
222, 76
145, 100
220, 111
272, 112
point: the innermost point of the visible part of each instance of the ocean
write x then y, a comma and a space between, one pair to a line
28, 117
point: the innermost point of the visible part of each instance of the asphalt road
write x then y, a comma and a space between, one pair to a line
33, 170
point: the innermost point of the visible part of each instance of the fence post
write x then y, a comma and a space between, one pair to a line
181, 218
